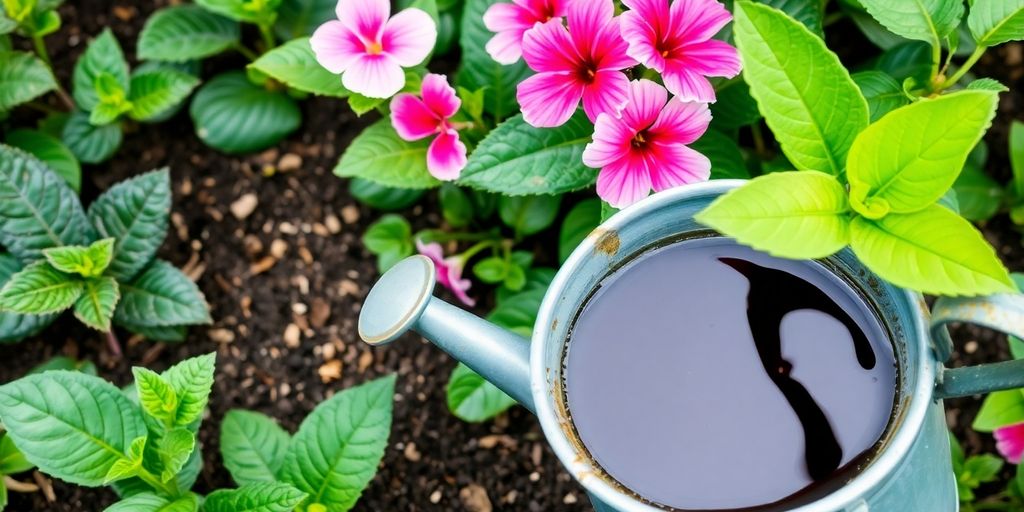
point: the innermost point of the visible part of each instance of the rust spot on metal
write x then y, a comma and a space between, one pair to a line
606, 241
554, 325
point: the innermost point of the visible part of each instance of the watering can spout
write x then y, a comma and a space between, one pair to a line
403, 300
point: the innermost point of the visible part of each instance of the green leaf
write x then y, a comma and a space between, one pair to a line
297, 18
995, 22
186, 32
799, 215
88, 261
149, 502
909, 158
806, 95
235, 116
103, 55
811, 14
480, 71
38, 210
979, 195
337, 449
172, 333
192, 380
91, 144
106, 113
250, 11
1016, 150
456, 206
472, 102
23, 78
578, 223
882, 92
40, 289
46, 413
294, 65
14, 327
390, 238
175, 449
161, 296
156, 92
932, 251
135, 213
472, 398
156, 396
260, 497
362, 104
922, 20
528, 215
735, 107
383, 198
96, 305
128, 466
51, 152
380, 155
908, 60
1000, 408
725, 155
253, 446
12, 461
491, 270
983, 468
64, 363
987, 84
518, 159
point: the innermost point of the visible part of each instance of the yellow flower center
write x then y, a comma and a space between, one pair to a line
374, 48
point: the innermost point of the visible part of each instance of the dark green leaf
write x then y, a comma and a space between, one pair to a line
91, 144
23, 77
298, 18
235, 116
380, 155
155, 92
161, 296
725, 155
185, 32
51, 151
479, 70
456, 207
528, 215
580, 221
14, 327
883, 93
381, 197
735, 107
472, 398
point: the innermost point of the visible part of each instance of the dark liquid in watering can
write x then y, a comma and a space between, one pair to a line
708, 376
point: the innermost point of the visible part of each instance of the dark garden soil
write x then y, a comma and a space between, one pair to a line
273, 241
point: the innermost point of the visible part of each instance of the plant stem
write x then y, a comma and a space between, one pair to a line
970, 62
759, 147
40, 46
936, 57
268, 37
472, 251
113, 344
246, 52
168, 488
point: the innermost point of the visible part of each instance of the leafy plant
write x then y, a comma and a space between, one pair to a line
99, 262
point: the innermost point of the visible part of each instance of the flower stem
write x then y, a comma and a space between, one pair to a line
472, 251
246, 52
268, 37
113, 344
970, 62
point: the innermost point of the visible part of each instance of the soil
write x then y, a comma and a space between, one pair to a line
295, 265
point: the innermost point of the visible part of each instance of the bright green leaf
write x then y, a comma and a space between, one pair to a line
135, 213
251, 11
1000, 409
192, 380
23, 77
12, 461
88, 261
995, 22
922, 20
578, 223
378, 154
51, 151
95, 307
14, 327
91, 144
156, 92
175, 449
472, 398
161, 296
40, 289
259, 497
1016, 150
149, 502
156, 396
103, 55
186, 32
491, 270
295, 65
390, 238
235, 116
987, 84
253, 446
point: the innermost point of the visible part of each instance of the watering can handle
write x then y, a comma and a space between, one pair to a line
1004, 313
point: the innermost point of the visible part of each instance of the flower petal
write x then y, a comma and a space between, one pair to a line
335, 46
547, 47
646, 99
686, 84
440, 97
587, 20
504, 17
446, 156
374, 76
409, 36
506, 47
610, 51
698, 20
1010, 442
681, 122
433, 251
609, 92
454, 281
612, 140
624, 182
366, 18
712, 58
549, 99
654, 13
674, 165
412, 119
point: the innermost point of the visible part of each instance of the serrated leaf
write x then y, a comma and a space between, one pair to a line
161, 296
175, 449
253, 446
995, 22
806, 95
23, 78
128, 466
156, 396
337, 449
987, 84
909, 158
479, 71
38, 209
191, 380
921, 20
380, 155
51, 151
135, 213
95, 307
88, 261
149, 502
799, 215
46, 413
260, 497
91, 144
40, 289
295, 65
14, 327
518, 159
932, 251
186, 32
235, 116
156, 92
472, 398
1000, 408
882, 92
103, 55
298, 18
578, 223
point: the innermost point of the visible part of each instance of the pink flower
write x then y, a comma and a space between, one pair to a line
645, 147
511, 21
369, 50
676, 42
415, 119
1010, 442
584, 62
449, 271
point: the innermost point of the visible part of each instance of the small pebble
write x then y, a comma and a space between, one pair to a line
411, 453
435, 497
221, 335
292, 335
244, 206
289, 162
330, 371
569, 499
474, 498
350, 214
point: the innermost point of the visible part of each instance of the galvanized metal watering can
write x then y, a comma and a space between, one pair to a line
912, 470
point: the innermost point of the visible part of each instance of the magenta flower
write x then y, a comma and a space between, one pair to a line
584, 62
369, 50
449, 271
511, 21
645, 147
1010, 442
415, 119
676, 41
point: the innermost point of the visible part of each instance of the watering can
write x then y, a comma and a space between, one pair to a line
912, 470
